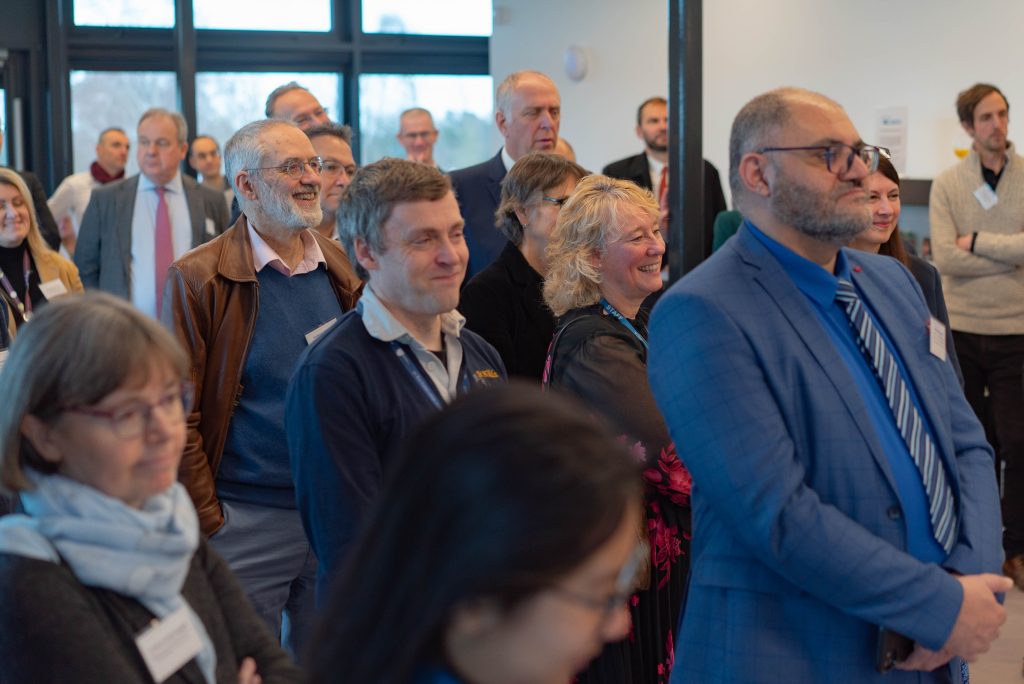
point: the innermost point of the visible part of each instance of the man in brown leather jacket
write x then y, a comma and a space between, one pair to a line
245, 306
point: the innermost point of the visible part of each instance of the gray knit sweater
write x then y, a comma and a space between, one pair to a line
984, 290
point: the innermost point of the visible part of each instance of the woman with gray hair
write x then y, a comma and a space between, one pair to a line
503, 303
30, 272
105, 575
604, 259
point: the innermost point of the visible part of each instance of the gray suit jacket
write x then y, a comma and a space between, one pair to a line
104, 251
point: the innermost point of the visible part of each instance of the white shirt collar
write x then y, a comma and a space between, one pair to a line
382, 325
174, 185
507, 160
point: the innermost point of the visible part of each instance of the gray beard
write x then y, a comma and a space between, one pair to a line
281, 211
816, 215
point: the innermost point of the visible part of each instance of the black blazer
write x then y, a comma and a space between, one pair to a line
637, 169
927, 276
504, 305
55, 629
478, 192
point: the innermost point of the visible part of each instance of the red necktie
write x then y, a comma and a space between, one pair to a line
664, 182
164, 247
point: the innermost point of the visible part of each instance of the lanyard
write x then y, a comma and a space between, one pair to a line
614, 313
420, 377
24, 309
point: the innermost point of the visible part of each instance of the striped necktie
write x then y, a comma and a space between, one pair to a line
941, 509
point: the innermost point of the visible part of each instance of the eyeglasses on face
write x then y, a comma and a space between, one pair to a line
294, 168
625, 586
555, 200
839, 156
131, 421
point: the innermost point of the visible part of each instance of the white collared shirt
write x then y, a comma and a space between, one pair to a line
264, 255
656, 168
507, 160
143, 269
382, 325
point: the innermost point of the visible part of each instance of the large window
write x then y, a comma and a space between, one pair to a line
428, 17
462, 107
226, 101
135, 13
262, 15
101, 99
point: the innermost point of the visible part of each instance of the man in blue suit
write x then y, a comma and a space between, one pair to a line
528, 111
821, 514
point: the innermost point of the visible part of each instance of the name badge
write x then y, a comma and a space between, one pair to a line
3, 358
169, 644
986, 196
211, 227
937, 338
319, 330
53, 288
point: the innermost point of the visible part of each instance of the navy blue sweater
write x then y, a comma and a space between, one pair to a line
349, 404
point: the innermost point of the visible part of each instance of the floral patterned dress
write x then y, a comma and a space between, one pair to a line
596, 358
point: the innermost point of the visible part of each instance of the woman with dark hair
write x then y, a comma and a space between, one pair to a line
883, 237
604, 259
503, 303
503, 551
106, 577
30, 272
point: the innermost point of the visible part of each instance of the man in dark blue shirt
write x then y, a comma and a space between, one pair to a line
402, 354
843, 489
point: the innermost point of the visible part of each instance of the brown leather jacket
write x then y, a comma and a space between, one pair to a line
211, 306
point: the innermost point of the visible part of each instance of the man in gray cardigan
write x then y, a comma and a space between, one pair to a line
977, 229
121, 242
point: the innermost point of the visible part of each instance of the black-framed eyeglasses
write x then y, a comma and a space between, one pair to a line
131, 421
333, 168
625, 586
555, 200
839, 156
295, 167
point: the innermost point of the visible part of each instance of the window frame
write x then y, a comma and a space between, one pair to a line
185, 50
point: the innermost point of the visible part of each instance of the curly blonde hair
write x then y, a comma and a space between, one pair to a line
587, 223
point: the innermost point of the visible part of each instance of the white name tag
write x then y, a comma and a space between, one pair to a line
169, 644
54, 288
937, 338
3, 358
319, 330
986, 196
211, 227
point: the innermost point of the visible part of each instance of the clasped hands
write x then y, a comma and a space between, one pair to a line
977, 625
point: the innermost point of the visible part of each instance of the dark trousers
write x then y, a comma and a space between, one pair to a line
996, 363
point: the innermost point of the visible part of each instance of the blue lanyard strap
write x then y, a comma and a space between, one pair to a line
419, 376
614, 313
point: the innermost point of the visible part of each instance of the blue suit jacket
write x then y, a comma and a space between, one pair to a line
478, 191
799, 541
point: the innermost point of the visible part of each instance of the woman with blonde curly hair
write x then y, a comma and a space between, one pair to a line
604, 259
30, 272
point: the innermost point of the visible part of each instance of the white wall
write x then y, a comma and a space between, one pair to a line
866, 54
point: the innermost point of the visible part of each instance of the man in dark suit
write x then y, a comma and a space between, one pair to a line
649, 169
827, 504
133, 230
528, 112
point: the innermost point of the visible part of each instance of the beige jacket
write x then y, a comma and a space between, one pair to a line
51, 266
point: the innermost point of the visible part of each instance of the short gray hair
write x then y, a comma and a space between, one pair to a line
372, 195
756, 122
339, 131
278, 92
110, 129
506, 89
247, 149
533, 173
586, 224
74, 352
180, 124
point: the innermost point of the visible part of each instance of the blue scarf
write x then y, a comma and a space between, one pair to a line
143, 554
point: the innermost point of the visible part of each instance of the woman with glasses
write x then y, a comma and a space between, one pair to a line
883, 237
503, 303
504, 551
604, 259
31, 273
105, 575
